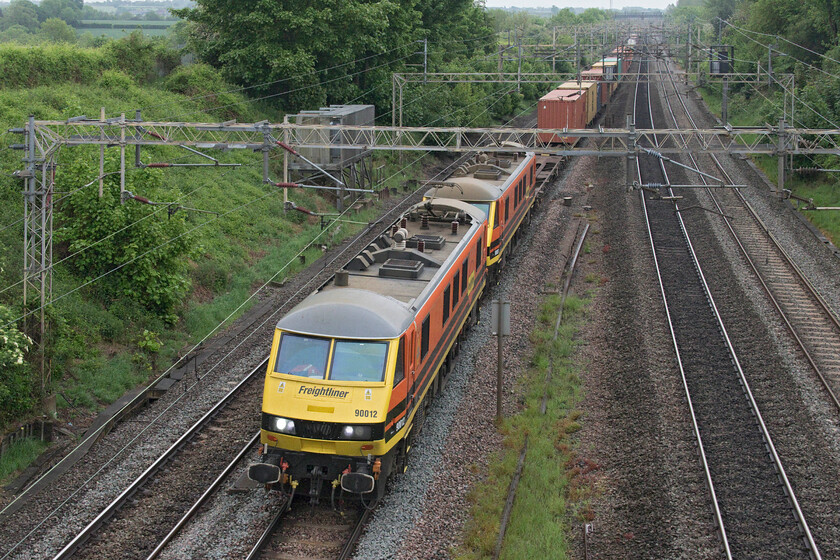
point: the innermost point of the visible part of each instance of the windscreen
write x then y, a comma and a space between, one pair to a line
305, 356
483, 206
358, 361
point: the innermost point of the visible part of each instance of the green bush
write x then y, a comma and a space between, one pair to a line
137, 255
142, 58
115, 80
207, 85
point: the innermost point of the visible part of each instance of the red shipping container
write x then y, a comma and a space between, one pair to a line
561, 108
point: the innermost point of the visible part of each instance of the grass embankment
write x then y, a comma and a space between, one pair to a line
552, 496
105, 344
821, 187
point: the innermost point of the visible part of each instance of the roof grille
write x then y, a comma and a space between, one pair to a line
435, 242
401, 268
490, 174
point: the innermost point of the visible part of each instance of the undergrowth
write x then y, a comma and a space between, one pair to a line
18, 456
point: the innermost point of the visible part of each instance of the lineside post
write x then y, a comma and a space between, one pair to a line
782, 148
500, 323
724, 107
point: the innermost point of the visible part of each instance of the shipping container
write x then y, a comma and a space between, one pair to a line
610, 70
605, 88
561, 108
618, 61
589, 89
626, 55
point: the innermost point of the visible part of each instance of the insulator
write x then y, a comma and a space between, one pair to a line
421, 245
424, 222
404, 222
454, 227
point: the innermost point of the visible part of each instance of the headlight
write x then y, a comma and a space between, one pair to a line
283, 425
356, 432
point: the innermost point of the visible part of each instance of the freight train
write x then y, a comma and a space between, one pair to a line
353, 367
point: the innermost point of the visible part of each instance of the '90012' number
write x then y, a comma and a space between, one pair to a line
365, 413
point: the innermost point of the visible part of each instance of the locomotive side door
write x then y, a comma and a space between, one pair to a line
410, 361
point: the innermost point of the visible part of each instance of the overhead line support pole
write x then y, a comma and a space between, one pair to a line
782, 154
122, 158
285, 163
101, 153
137, 163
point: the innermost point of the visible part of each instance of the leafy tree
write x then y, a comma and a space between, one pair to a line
17, 34
448, 20
327, 51
276, 47
68, 10
563, 17
593, 15
56, 30
21, 12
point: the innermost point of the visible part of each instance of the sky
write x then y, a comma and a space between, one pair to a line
603, 4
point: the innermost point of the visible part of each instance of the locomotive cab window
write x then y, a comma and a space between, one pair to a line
352, 360
446, 293
304, 356
424, 338
399, 369
355, 360
464, 274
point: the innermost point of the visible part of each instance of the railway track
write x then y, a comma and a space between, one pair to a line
804, 311
756, 509
312, 532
